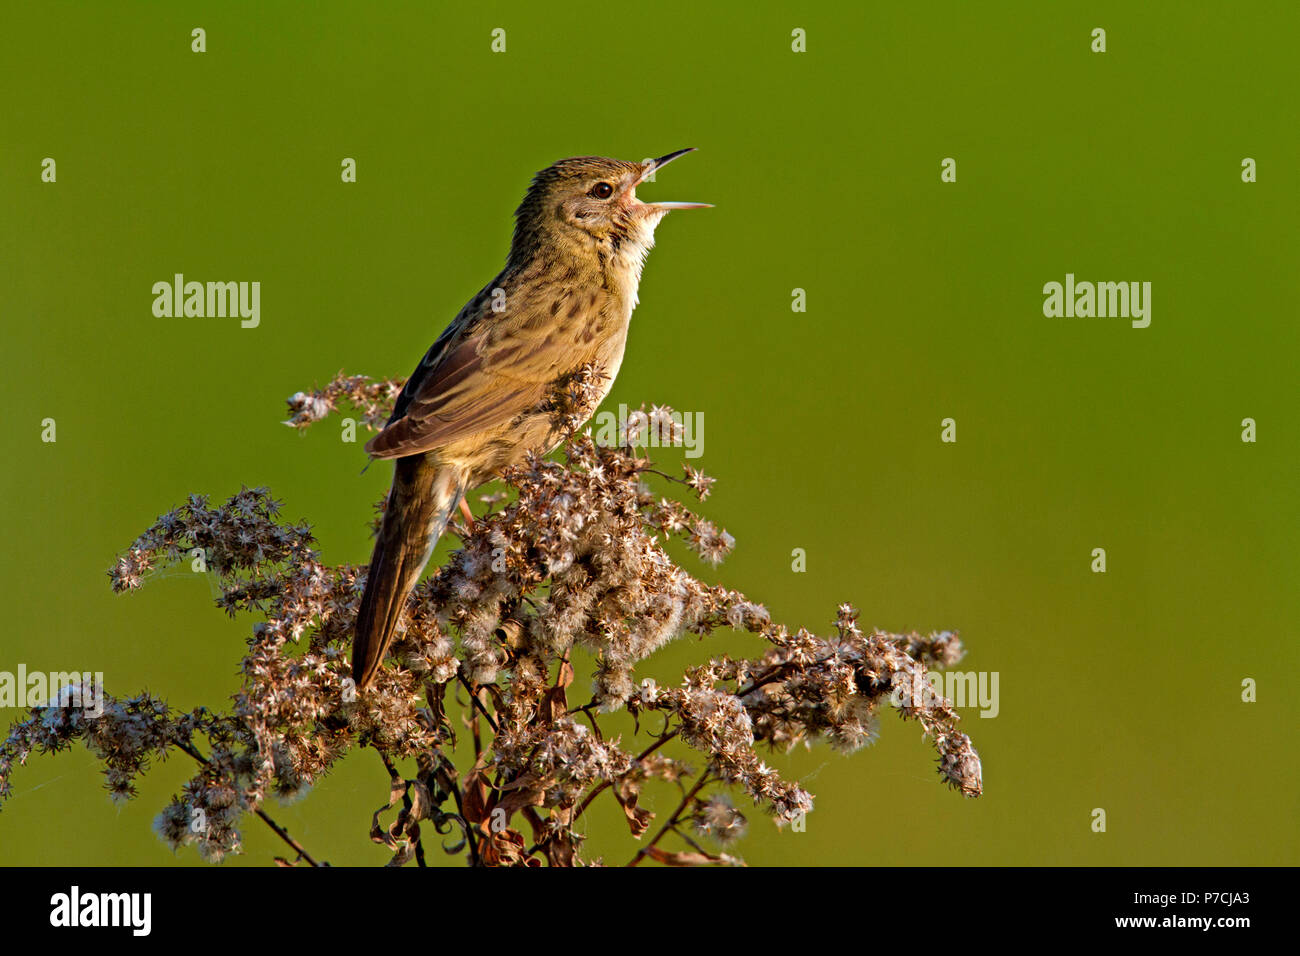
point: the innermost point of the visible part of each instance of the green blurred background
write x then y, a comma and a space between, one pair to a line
1118, 690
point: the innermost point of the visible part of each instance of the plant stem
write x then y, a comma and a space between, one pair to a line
604, 786
280, 831
672, 822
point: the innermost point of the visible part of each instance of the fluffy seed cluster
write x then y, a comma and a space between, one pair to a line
372, 400
567, 570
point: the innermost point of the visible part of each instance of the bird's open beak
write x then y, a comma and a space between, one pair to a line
654, 165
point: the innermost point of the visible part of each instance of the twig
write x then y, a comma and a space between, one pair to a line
605, 786
280, 831
473, 695
672, 822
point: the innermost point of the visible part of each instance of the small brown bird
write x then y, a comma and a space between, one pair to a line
477, 401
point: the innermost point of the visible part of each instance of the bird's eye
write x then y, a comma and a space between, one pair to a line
602, 190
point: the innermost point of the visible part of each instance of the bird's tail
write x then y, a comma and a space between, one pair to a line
420, 504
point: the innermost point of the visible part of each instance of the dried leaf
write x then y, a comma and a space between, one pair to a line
626, 792
505, 848
689, 858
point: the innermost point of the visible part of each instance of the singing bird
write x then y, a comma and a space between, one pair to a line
478, 400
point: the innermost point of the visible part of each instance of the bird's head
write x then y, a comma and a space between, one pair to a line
589, 204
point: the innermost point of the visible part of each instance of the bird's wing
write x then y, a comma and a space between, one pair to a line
484, 375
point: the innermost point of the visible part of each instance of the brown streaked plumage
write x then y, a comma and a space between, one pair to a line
476, 402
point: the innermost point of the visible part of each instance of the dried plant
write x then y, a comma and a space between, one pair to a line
568, 570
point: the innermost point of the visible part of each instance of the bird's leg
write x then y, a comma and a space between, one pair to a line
469, 515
